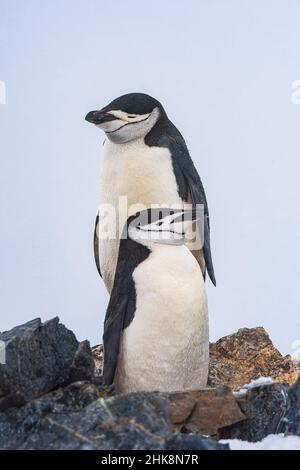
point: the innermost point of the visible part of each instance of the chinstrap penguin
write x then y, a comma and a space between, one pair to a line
146, 159
156, 324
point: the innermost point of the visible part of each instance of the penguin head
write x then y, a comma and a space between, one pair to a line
162, 225
128, 117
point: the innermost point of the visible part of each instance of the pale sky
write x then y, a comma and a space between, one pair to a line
224, 73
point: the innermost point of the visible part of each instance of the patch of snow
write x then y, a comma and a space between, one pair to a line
271, 442
254, 383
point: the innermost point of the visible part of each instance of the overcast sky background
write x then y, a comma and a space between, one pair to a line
223, 71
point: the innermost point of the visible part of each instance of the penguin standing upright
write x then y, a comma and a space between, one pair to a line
156, 325
145, 158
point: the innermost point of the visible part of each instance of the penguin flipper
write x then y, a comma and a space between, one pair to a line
113, 327
96, 245
188, 182
198, 197
122, 304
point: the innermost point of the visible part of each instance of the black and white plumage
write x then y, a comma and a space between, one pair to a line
156, 325
145, 158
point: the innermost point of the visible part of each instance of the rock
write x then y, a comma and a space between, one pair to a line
246, 355
98, 358
264, 407
40, 357
75, 418
83, 366
17, 425
291, 421
205, 411
51, 396
193, 442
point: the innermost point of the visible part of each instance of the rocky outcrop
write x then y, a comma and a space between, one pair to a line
51, 397
76, 418
237, 359
40, 357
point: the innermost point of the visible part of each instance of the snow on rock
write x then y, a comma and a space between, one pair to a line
271, 442
260, 382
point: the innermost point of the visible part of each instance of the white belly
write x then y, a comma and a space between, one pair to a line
166, 346
142, 174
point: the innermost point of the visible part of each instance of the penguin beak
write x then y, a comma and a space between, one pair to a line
99, 117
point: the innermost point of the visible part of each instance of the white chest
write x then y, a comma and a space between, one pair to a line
134, 177
143, 174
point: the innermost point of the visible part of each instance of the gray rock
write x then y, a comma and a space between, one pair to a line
40, 357
75, 417
264, 407
291, 421
83, 366
193, 442
18, 424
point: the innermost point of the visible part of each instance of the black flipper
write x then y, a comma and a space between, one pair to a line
113, 327
165, 134
122, 305
96, 246
198, 197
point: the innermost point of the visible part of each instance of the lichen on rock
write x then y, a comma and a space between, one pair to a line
246, 355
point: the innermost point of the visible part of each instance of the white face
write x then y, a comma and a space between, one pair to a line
127, 127
169, 229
